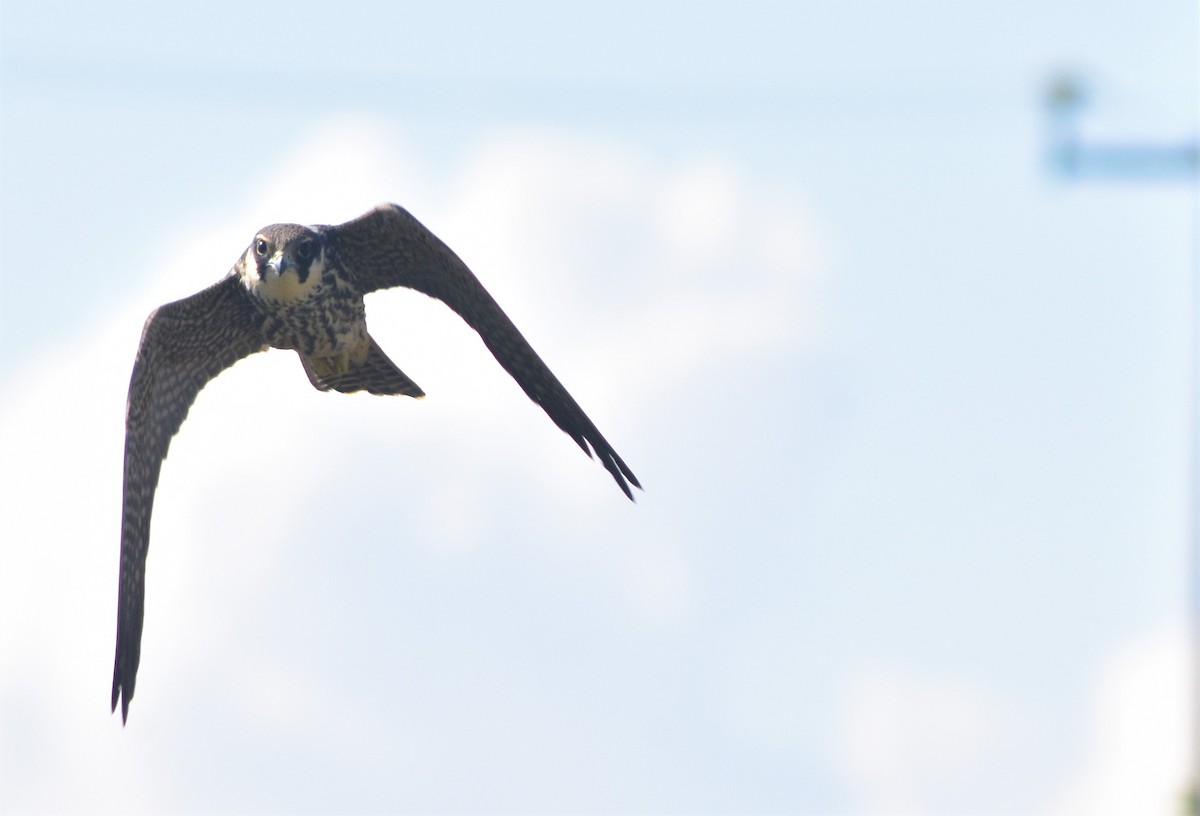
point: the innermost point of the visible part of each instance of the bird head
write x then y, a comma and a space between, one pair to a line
284, 261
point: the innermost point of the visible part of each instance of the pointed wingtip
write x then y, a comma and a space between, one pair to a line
628, 492
621, 474
616, 467
120, 694
124, 708
633, 480
624, 481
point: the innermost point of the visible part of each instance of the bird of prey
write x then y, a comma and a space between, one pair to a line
302, 288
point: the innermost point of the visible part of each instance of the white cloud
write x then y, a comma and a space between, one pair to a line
59, 522
629, 327
1136, 760
913, 743
699, 212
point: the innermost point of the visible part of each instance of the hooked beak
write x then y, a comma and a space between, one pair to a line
275, 267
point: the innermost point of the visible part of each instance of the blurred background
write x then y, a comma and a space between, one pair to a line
890, 306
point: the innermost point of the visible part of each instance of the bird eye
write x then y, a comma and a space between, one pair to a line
305, 251
260, 247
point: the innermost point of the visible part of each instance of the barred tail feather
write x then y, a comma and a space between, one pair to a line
376, 374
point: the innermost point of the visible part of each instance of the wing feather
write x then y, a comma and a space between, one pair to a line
184, 345
388, 247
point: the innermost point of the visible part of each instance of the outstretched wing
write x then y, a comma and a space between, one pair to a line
388, 247
184, 345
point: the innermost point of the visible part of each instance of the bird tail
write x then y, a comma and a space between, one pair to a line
375, 374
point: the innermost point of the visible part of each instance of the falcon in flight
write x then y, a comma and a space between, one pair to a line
302, 288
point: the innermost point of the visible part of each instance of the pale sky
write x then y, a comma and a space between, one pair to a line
912, 412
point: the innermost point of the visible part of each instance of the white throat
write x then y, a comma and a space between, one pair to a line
280, 287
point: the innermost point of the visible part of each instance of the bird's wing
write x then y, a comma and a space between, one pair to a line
184, 345
388, 247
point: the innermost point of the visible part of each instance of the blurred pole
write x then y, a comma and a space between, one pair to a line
1191, 804
1075, 159
1193, 793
